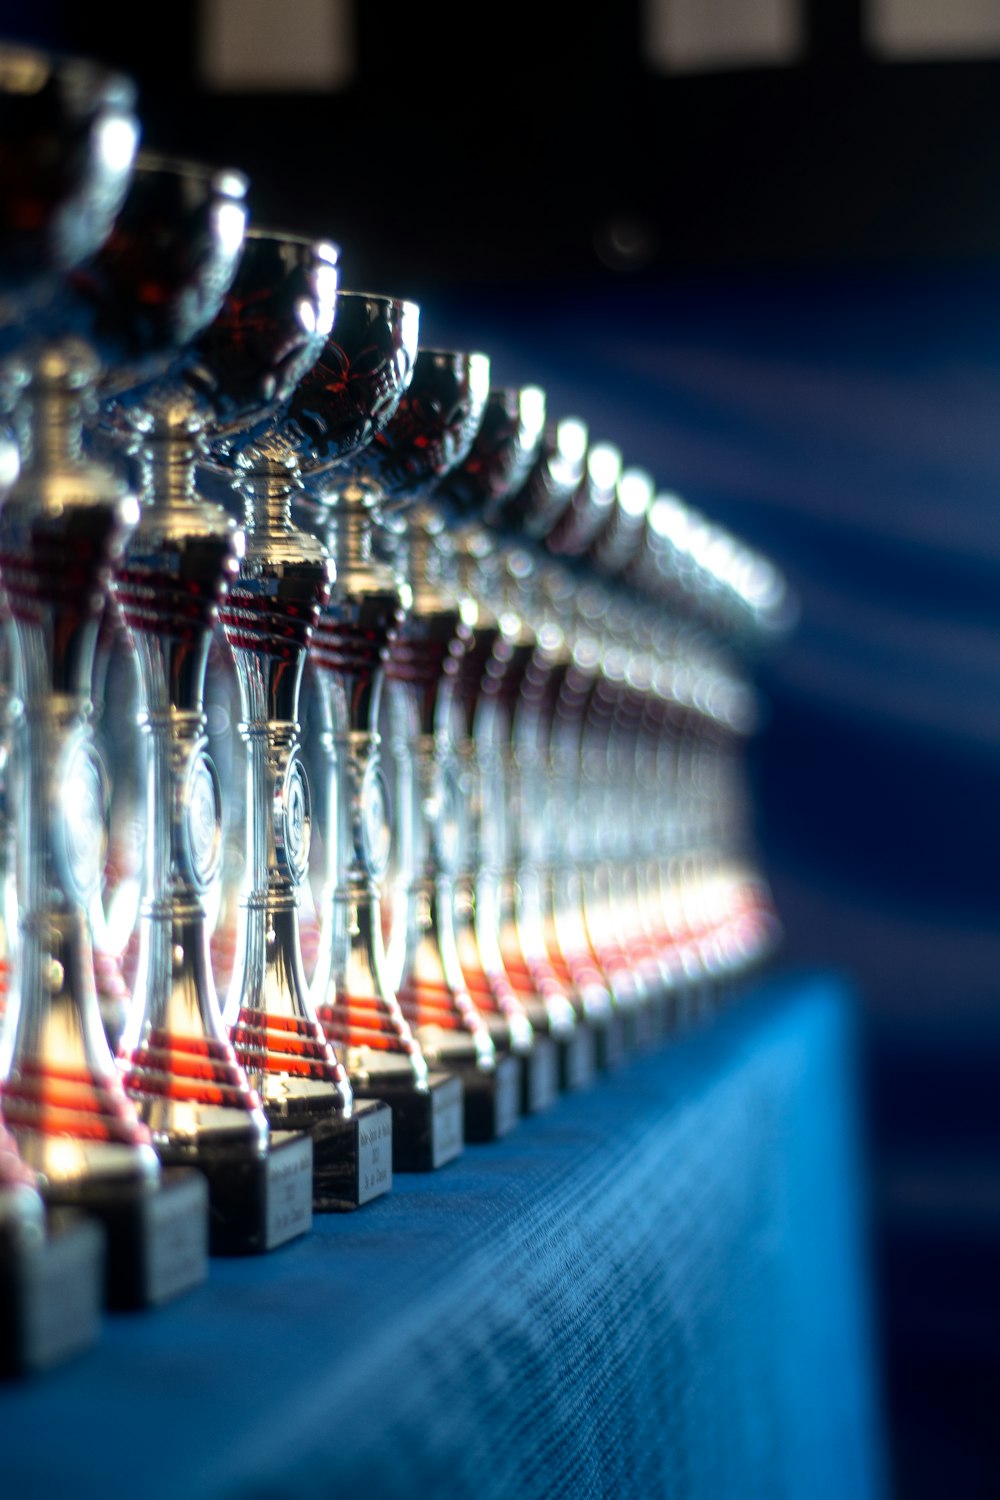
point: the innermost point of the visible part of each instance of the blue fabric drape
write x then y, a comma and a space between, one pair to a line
659, 1288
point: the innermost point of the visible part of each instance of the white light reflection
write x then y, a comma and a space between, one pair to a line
327, 282
670, 519
635, 493
231, 222
479, 378
604, 465
532, 409
573, 437
116, 142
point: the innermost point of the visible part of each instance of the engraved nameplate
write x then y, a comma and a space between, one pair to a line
176, 1236
581, 1062
507, 1104
289, 1191
63, 1294
374, 1153
447, 1121
543, 1074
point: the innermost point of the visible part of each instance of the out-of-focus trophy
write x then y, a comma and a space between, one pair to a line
63, 525
269, 617
204, 1099
59, 192
397, 420
508, 959
423, 957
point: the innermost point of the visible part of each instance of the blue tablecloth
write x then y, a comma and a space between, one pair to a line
659, 1288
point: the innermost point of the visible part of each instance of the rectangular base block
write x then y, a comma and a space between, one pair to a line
577, 1059
492, 1100
257, 1203
609, 1042
428, 1128
51, 1293
646, 1024
540, 1076
352, 1158
157, 1238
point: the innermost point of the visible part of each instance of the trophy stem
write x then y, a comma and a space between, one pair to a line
427, 973
56, 1053
179, 1065
269, 618
352, 991
62, 527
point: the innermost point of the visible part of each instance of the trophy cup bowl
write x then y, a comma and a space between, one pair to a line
68, 136
343, 402
433, 428
553, 480
270, 331
160, 277
505, 449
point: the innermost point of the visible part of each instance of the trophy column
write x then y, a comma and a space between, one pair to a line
269, 618
395, 418
178, 1062
61, 528
427, 974
508, 875
480, 962
354, 997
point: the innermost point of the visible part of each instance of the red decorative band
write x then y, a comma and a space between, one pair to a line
276, 627
282, 1045
426, 1003
200, 1069
59, 1100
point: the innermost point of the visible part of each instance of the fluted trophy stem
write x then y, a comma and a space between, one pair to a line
61, 526
268, 618
174, 573
351, 987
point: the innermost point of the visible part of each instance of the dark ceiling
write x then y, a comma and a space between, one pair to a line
521, 142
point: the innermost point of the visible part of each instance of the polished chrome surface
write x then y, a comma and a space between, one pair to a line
505, 449
352, 391
272, 328
268, 617
62, 528
179, 1064
160, 277
68, 138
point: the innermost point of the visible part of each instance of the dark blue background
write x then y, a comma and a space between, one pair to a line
805, 343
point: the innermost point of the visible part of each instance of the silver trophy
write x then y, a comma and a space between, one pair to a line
179, 1062
268, 618
62, 528
423, 956
414, 420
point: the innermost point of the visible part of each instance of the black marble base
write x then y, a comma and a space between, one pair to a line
51, 1291
649, 1021
428, 1127
610, 1048
352, 1158
157, 1237
492, 1099
257, 1203
577, 1059
539, 1076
